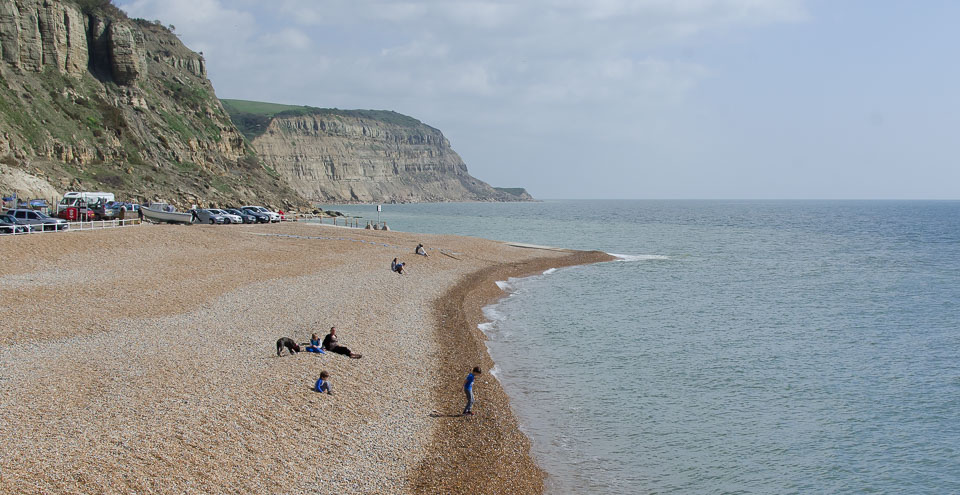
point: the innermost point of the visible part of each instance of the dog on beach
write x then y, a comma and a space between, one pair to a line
289, 343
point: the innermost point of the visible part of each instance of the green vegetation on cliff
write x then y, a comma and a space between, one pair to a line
253, 117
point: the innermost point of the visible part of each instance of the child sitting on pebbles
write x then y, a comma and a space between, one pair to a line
323, 384
315, 345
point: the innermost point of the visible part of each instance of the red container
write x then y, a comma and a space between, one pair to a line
70, 214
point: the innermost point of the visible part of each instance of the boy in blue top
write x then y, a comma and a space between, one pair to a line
323, 385
468, 390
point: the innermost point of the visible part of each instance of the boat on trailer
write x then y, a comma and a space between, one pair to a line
165, 213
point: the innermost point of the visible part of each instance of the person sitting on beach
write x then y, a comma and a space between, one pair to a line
289, 344
332, 344
315, 345
468, 390
420, 250
397, 267
323, 384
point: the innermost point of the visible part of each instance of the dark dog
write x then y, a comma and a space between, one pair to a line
289, 344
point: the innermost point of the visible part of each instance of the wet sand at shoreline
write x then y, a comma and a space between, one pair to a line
143, 360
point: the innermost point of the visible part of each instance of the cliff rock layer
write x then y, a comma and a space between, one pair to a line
359, 155
90, 99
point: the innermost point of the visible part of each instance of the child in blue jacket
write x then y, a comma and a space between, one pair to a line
323, 384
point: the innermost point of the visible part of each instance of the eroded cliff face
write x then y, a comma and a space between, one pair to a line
344, 156
90, 99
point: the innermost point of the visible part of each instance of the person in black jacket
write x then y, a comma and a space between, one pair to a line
332, 344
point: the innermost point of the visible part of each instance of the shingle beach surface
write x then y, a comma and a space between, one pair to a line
143, 360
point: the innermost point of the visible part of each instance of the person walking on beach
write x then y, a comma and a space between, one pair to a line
332, 344
420, 250
468, 390
323, 384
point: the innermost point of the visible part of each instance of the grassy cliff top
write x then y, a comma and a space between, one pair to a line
253, 117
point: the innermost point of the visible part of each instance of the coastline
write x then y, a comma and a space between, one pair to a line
487, 452
141, 359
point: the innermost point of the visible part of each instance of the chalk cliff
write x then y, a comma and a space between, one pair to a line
361, 155
90, 99
93, 100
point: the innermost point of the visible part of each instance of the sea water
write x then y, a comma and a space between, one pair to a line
735, 347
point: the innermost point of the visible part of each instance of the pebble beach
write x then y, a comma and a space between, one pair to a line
143, 360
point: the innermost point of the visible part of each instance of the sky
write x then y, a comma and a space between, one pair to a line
631, 99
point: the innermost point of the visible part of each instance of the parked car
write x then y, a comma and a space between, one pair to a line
39, 219
27, 226
108, 210
207, 216
261, 217
246, 217
274, 216
9, 225
228, 217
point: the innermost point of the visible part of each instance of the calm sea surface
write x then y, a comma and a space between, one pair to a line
740, 347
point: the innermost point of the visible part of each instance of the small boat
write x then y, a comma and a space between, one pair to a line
165, 213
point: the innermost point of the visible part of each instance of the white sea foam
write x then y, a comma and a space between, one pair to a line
495, 371
504, 285
638, 257
491, 314
549, 271
486, 327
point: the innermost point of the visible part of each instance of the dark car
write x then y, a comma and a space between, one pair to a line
39, 219
261, 217
9, 225
109, 210
247, 218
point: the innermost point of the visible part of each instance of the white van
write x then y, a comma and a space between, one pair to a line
81, 199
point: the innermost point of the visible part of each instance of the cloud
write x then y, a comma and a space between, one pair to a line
286, 39
576, 70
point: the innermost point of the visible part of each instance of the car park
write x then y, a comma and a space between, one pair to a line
228, 217
260, 216
245, 216
274, 216
38, 219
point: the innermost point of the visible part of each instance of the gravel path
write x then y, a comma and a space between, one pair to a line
143, 359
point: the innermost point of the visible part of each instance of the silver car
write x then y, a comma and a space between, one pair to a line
207, 216
38, 219
228, 217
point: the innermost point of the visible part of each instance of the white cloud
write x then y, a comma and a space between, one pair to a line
529, 68
286, 39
